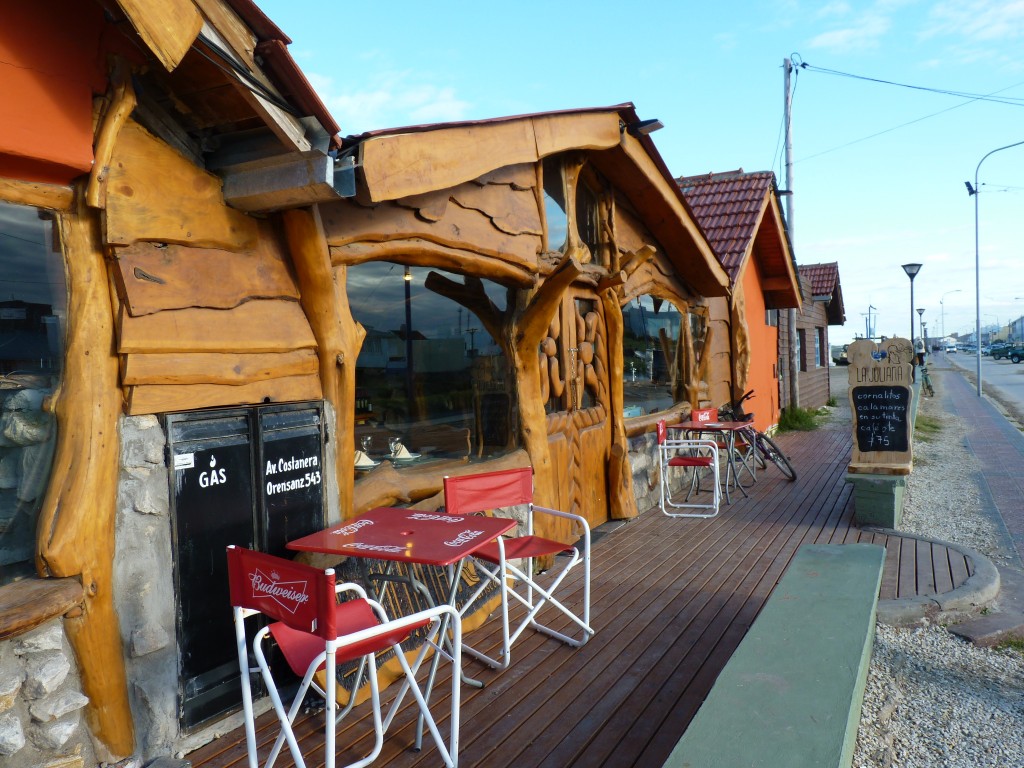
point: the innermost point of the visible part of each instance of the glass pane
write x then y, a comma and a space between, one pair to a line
554, 204
652, 355
33, 314
455, 399
588, 221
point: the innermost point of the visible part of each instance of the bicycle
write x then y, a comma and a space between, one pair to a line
764, 448
926, 383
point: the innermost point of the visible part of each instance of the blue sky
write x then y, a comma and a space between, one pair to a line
878, 173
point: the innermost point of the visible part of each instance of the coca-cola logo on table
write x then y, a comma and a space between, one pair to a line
290, 595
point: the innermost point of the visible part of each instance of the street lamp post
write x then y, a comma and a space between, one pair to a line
973, 192
942, 309
920, 315
911, 270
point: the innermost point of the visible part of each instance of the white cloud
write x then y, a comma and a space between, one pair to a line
388, 100
978, 20
862, 33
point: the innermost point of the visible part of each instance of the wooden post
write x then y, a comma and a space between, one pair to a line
76, 521
338, 336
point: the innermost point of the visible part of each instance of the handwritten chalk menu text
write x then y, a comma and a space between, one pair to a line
882, 417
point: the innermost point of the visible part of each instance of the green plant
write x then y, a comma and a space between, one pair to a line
926, 428
1016, 644
832, 402
798, 420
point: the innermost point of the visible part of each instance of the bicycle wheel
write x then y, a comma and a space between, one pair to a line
750, 438
772, 453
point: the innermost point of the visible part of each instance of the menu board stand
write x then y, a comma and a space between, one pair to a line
882, 399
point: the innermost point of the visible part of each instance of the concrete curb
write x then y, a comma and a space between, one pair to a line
964, 602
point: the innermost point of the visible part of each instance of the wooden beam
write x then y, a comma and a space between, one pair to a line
56, 197
215, 367
157, 398
168, 27
255, 326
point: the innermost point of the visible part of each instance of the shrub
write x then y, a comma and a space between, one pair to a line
798, 420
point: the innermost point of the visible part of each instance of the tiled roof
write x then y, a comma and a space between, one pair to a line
728, 208
823, 277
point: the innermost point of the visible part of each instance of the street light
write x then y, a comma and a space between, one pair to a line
920, 315
911, 270
973, 192
942, 308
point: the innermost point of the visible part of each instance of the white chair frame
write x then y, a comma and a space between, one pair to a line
693, 454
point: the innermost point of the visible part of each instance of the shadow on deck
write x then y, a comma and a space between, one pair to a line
672, 598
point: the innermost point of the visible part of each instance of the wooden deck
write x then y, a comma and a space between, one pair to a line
672, 598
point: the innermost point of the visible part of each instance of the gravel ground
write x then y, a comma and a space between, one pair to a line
931, 698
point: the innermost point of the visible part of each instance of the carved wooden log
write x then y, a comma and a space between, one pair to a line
640, 425
416, 251
119, 108
339, 337
385, 486
621, 501
530, 328
347, 222
76, 521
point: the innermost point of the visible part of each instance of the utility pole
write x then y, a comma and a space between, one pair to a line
787, 69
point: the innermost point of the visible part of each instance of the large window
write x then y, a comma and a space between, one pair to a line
554, 204
33, 308
652, 350
429, 375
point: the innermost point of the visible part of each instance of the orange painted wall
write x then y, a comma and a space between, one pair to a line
51, 63
764, 352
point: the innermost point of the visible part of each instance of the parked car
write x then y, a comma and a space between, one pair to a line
1013, 352
839, 354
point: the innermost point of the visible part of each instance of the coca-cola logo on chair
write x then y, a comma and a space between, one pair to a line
290, 595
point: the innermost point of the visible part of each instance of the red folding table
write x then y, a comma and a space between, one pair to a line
410, 536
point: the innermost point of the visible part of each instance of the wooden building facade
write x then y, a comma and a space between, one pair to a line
821, 307
223, 307
742, 218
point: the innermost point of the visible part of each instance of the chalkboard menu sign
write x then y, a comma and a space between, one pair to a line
882, 417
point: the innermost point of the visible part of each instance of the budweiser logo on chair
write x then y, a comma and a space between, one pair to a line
290, 595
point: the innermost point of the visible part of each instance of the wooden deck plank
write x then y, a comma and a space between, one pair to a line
942, 571
925, 569
671, 600
907, 579
958, 568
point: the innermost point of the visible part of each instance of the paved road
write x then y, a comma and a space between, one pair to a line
1000, 379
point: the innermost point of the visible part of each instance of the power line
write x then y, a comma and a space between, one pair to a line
971, 98
1011, 101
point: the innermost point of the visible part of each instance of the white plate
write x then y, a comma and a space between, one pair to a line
410, 457
371, 465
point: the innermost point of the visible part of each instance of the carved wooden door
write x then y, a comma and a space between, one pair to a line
578, 424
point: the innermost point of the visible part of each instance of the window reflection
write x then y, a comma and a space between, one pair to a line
554, 204
455, 400
32, 321
652, 355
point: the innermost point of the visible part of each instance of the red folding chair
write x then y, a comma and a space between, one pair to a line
693, 454
470, 494
316, 632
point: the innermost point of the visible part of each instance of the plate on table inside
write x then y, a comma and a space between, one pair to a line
368, 464
407, 457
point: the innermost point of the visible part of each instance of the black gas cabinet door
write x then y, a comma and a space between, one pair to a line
212, 476
291, 474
